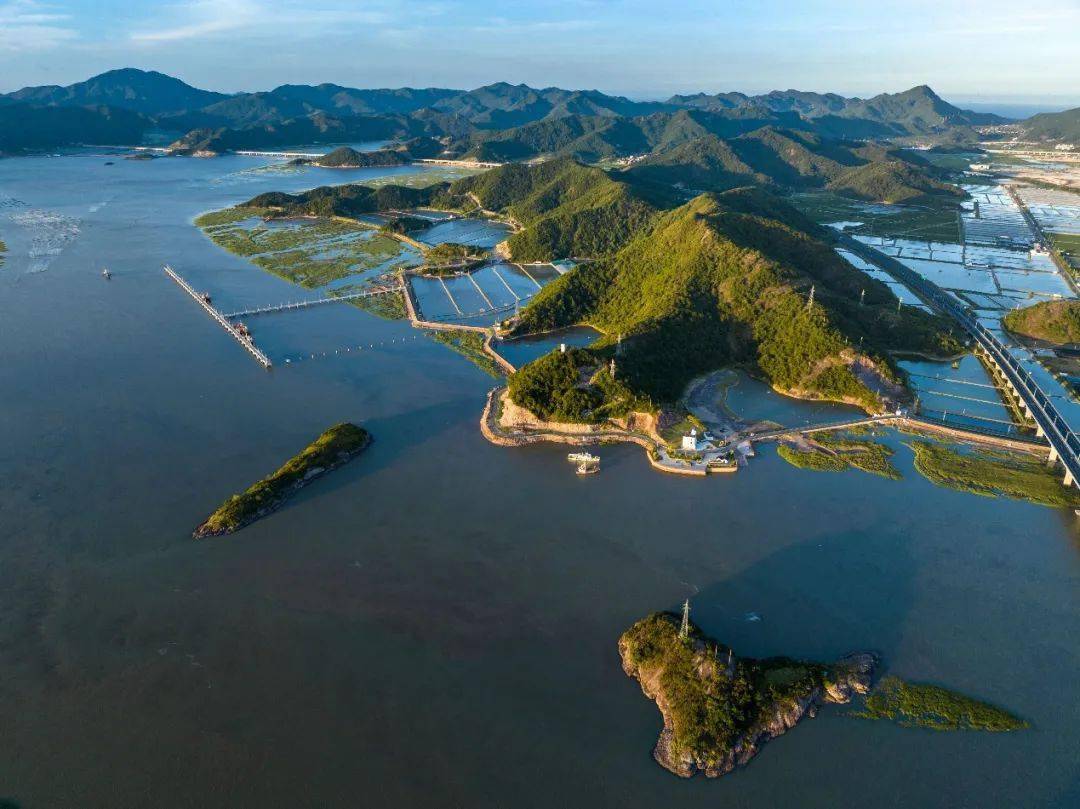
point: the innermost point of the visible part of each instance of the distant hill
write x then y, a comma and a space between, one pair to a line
147, 92
918, 111
346, 157
1055, 126
796, 160
27, 128
494, 121
317, 128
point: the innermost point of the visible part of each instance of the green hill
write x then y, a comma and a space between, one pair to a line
723, 279
345, 157
786, 159
564, 208
894, 182
1062, 126
1052, 321
344, 200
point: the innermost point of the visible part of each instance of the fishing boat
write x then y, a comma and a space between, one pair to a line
588, 468
106, 274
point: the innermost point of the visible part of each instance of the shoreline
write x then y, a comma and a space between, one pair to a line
586, 434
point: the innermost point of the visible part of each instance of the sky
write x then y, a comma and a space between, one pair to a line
968, 51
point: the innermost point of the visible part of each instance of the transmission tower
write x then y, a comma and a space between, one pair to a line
810, 300
684, 629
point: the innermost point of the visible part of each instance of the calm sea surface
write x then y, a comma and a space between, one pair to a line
435, 624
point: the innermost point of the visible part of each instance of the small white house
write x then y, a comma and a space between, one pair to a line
690, 441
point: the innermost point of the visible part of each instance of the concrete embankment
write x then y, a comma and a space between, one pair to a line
572, 434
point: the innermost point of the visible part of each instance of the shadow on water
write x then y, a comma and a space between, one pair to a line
863, 607
392, 437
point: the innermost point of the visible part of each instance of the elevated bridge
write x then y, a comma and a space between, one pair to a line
1049, 424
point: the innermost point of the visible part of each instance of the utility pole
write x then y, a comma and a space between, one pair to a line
684, 629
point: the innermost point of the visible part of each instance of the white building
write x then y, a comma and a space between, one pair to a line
690, 441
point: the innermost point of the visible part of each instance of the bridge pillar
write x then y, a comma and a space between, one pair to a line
1069, 478
1039, 432
1053, 455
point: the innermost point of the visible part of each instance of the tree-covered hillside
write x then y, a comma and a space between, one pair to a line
564, 208
726, 279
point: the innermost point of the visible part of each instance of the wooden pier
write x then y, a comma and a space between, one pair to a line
242, 339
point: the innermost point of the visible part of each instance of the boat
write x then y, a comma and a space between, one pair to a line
106, 274
587, 468
582, 457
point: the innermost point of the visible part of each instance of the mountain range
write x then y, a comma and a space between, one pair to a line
154, 101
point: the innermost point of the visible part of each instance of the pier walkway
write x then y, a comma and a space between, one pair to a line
284, 307
242, 339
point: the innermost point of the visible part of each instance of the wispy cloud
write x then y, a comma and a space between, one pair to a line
205, 19
199, 19
26, 25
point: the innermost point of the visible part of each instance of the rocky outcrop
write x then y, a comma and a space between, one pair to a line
765, 698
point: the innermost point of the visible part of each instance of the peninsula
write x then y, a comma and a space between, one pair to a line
335, 447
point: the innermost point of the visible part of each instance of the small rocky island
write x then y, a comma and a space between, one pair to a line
720, 709
335, 447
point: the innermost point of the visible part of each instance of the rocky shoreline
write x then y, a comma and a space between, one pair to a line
707, 673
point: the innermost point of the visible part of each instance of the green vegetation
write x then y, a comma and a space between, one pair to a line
452, 251
450, 258
575, 387
311, 253
334, 447
838, 454
346, 200
709, 703
993, 474
1052, 321
818, 461
345, 157
892, 181
797, 160
722, 280
405, 224
566, 209
469, 344
930, 706
930, 223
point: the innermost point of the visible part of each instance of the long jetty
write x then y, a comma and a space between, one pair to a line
246, 342
284, 307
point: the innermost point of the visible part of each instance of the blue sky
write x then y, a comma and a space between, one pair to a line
988, 49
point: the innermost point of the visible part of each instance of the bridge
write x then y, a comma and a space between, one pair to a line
243, 339
284, 307
302, 155
1049, 424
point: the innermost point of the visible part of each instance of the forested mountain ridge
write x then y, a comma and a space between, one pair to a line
250, 119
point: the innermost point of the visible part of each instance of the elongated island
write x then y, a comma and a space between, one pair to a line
335, 447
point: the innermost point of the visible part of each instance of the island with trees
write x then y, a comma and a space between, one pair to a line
719, 709
335, 447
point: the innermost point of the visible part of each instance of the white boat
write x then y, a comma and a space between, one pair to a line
582, 457
586, 468
106, 274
